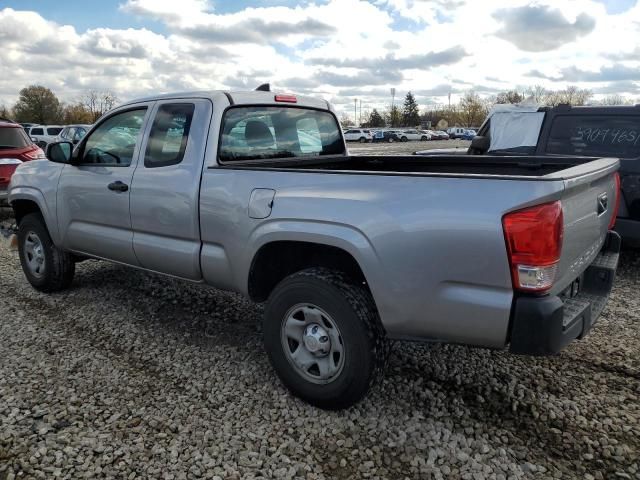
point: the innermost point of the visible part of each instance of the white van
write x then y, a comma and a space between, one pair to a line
456, 132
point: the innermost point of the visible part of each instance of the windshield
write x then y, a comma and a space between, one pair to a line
251, 133
13, 137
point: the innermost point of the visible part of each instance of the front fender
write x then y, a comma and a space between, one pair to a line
36, 196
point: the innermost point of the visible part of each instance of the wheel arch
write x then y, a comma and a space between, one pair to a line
277, 259
24, 200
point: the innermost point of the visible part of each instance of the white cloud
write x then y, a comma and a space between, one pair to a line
339, 49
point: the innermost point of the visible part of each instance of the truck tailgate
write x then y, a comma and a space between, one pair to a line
588, 206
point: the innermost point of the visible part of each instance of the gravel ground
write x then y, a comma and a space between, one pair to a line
133, 375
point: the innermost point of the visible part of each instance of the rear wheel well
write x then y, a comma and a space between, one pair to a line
277, 260
21, 208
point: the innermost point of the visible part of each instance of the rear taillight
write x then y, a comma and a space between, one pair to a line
7, 167
36, 154
616, 207
534, 243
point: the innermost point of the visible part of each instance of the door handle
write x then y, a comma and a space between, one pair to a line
118, 186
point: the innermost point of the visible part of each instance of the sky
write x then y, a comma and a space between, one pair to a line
340, 50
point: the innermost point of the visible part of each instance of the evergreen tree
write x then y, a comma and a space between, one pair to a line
410, 112
375, 119
393, 117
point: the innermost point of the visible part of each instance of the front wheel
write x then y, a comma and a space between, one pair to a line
404, 139
424, 139
46, 267
363, 140
324, 338
390, 140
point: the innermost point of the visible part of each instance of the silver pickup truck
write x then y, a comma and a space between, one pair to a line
256, 193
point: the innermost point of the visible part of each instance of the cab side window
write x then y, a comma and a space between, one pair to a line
114, 141
169, 134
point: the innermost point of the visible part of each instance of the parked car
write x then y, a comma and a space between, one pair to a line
348, 252
412, 134
386, 136
73, 133
468, 135
358, 135
27, 126
42, 135
15, 147
438, 135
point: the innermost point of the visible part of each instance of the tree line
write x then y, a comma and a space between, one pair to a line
471, 109
38, 104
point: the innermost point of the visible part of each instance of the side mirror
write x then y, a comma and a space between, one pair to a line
480, 144
59, 152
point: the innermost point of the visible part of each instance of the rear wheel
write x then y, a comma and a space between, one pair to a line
424, 138
363, 140
324, 338
404, 139
390, 140
46, 267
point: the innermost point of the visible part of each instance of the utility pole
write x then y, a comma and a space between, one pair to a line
355, 112
393, 99
360, 116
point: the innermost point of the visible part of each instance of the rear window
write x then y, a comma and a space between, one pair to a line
12, 137
602, 135
54, 130
253, 133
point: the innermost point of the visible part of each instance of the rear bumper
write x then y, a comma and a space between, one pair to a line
545, 325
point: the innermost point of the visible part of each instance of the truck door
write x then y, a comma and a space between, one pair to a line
166, 188
93, 193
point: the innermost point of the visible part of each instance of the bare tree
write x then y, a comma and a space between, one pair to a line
614, 99
537, 93
472, 110
77, 113
511, 96
571, 95
5, 112
345, 121
98, 102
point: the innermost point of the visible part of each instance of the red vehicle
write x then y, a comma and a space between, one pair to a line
15, 147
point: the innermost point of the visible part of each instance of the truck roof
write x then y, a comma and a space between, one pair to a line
238, 98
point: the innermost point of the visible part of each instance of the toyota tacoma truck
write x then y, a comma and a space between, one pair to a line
256, 193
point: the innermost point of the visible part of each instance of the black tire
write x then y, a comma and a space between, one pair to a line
404, 139
59, 266
363, 140
424, 138
390, 140
363, 339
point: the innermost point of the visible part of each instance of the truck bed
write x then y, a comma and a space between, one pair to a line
454, 165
